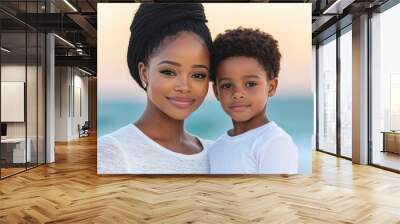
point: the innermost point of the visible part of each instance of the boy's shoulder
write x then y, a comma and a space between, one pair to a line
272, 130
273, 135
276, 152
206, 143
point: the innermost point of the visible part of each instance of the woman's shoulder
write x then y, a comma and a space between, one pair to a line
113, 150
128, 135
110, 156
125, 131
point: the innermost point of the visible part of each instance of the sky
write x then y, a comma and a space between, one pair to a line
290, 24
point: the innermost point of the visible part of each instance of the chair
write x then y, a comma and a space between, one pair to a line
84, 130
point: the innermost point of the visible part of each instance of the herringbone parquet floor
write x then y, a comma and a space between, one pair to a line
70, 191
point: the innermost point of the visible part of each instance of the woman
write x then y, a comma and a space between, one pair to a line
169, 57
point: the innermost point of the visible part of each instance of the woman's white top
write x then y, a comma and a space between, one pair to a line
267, 149
130, 151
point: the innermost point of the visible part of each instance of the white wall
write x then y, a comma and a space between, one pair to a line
12, 73
70, 84
12, 101
33, 126
62, 81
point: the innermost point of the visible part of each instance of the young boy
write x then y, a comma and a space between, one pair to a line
245, 67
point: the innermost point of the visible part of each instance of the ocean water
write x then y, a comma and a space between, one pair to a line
294, 115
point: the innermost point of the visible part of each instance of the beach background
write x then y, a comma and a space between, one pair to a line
121, 101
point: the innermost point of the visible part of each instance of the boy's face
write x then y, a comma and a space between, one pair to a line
243, 88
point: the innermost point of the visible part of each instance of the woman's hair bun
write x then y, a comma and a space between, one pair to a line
153, 22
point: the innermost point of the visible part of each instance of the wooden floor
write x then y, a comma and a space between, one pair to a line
388, 159
5, 172
10, 171
70, 191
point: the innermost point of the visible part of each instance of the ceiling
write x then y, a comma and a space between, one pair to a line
75, 23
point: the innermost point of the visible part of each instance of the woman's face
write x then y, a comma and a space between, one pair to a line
177, 75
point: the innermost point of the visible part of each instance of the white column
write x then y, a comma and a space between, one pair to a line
50, 93
50, 100
314, 92
360, 90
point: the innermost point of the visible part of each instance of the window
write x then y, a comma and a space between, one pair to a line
327, 96
385, 89
346, 93
23, 77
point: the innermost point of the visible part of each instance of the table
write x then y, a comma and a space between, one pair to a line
18, 149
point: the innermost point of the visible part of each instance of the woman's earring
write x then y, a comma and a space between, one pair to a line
144, 85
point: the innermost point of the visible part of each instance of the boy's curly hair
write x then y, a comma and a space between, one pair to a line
249, 43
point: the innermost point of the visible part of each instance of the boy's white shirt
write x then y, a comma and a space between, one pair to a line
267, 149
